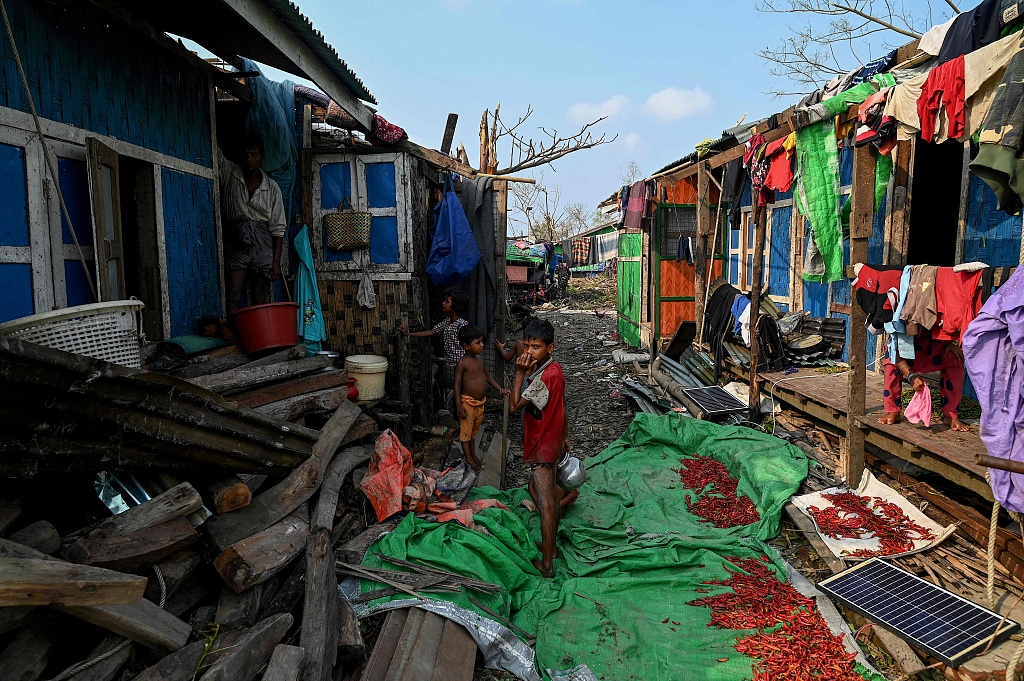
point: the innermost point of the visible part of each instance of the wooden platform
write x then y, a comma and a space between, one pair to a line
937, 449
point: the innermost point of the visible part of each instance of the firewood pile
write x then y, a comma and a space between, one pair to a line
223, 566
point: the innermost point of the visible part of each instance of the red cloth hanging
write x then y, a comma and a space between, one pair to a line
944, 88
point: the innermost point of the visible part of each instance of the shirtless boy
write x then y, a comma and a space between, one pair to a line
471, 381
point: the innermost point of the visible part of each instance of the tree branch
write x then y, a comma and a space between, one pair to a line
891, 27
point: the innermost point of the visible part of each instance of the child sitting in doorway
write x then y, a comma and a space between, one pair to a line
471, 381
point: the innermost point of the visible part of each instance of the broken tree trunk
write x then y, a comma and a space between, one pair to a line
285, 664
131, 550
256, 559
28, 654
250, 377
281, 499
246, 656
40, 535
28, 581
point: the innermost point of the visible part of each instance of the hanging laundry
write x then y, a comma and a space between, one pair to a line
901, 343
994, 352
983, 71
638, 207
733, 182
873, 285
684, 249
874, 126
919, 307
780, 159
958, 301
971, 30
943, 89
998, 162
931, 41
718, 322
739, 306
758, 165
580, 251
988, 281
605, 247
874, 67
744, 324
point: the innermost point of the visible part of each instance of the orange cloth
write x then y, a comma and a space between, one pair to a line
474, 418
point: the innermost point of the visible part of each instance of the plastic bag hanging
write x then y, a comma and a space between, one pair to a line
365, 295
454, 251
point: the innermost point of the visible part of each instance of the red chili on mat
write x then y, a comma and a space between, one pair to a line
719, 503
852, 516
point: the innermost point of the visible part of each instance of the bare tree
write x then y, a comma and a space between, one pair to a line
632, 173
837, 36
540, 209
525, 152
577, 217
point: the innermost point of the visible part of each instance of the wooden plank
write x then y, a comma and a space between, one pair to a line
253, 560
299, 486
40, 535
297, 386
705, 229
406, 643
238, 610
27, 655
250, 377
29, 581
965, 190
178, 666
109, 668
246, 656
294, 408
354, 550
387, 642
132, 550
143, 622
456, 655
285, 664
351, 645
176, 502
449, 133
423, 653
757, 283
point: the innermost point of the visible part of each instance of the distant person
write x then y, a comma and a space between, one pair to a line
254, 226
471, 381
539, 391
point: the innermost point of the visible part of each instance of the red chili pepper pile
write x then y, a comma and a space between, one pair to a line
802, 649
725, 509
852, 516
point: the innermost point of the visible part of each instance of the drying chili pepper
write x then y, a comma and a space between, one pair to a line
719, 504
852, 516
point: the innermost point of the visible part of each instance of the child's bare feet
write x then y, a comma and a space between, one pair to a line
891, 418
546, 572
955, 424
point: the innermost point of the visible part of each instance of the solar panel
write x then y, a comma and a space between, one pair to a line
714, 401
949, 627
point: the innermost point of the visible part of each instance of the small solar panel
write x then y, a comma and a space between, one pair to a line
714, 401
949, 627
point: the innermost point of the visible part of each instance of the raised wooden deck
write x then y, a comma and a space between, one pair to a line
937, 449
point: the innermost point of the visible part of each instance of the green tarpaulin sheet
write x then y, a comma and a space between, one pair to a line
631, 554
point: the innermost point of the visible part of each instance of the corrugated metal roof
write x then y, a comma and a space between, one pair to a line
299, 23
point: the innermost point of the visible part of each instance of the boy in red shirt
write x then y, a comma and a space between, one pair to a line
540, 390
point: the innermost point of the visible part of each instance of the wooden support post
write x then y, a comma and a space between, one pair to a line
702, 245
449, 133
861, 223
760, 228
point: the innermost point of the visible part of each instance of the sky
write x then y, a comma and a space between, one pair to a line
667, 74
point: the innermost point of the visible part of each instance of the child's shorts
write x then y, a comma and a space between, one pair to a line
474, 418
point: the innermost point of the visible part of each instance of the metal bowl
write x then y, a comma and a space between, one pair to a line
570, 472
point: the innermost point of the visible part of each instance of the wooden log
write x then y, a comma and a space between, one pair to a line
350, 638
297, 386
178, 666
353, 551
108, 668
364, 427
176, 502
256, 559
347, 525
238, 611
199, 587
176, 570
10, 511
247, 655
226, 493
29, 581
286, 355
214, 365
40, 535
143, 622
130, 551
28, 654
12, 618
288, 594
281, 499
285, 664
294, 408
250, 377
253, 481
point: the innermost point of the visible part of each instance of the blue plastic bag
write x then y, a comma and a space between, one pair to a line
453, 252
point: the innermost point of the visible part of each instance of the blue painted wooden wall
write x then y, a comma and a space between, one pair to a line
192, 257
781, 244
15, 278
992, 236
88, 70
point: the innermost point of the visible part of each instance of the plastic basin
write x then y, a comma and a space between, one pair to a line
264, 327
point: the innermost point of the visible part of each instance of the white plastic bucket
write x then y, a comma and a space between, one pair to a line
369, 372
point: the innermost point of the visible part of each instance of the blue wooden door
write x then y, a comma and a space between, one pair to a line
781, 245
15, 242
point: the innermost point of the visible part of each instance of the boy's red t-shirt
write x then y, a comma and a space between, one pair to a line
544, 417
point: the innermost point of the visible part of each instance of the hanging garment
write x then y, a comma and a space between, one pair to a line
874, 126
453, 251
901, 344
998, 162
983, 71
931, 41
920, 408
684, 249
943, 89
478, 199
744, 324
739, 306
757, 165
958, 301
580, 251
639, 205
780, 172
902, 107
605, 247
389, 133
872, 287
994, 352
733, 182
919, 306
930, 355
874, 67
312, 330
772, 356
366, 295
718, 322
971, 30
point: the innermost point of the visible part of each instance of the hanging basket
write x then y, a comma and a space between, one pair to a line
347, 229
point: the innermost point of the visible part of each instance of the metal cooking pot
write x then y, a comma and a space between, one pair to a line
570, 472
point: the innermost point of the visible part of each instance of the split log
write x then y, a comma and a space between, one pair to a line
348, 524
238, 611
285, 664
141, 621
132, 550
288, 594
364, 427
253, 481
178, 666
29, 581
281, 499
320, 612
176, 570
28, 654
256, 559
107, 669
40, 535
350, 639
248, 654
200, 586
174, 503
298, 386
250, 377
226, 493
294, 408
352, 552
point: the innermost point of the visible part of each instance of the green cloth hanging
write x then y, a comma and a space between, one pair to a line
312, 329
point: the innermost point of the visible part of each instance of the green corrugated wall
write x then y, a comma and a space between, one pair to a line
629, 287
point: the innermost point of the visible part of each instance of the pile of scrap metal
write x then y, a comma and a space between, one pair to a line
671, 378
159, 528
812, 342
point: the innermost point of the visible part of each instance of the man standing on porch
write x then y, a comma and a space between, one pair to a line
254, 226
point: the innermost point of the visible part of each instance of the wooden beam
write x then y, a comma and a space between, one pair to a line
29, 581
760, 230
436, 158
178, 666
286, 661
297, 386
226, 493
294, 408
132, 550
246, 656
27, 655
255, 559
40, 535
250, 377
449, 133
861, 224
143, 622
704, 229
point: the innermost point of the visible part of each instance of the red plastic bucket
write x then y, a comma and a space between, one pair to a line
263, 327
